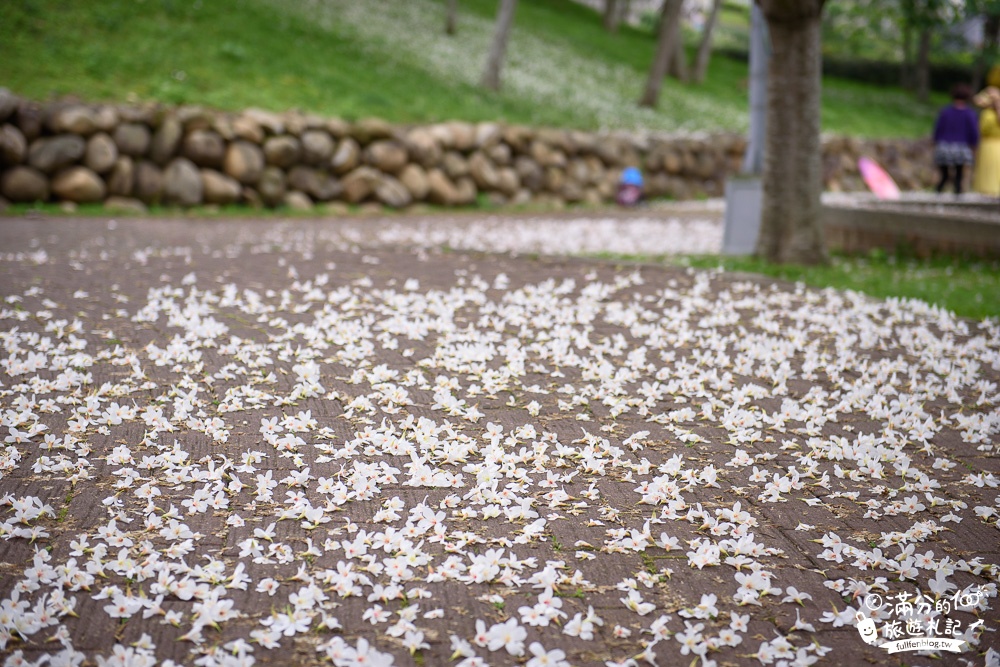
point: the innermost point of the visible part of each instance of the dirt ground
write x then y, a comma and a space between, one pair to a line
625, 434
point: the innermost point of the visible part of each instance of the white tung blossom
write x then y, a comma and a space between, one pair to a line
368, 445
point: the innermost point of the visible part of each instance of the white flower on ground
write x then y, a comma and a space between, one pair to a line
543, 658
635, 602
508, 635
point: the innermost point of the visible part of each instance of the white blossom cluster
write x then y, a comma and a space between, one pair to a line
639, 235
593, 464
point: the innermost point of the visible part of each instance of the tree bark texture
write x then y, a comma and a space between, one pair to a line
760, 56
791, 229
924, 65
906, 80
678, 67
705, 45
668, 35
611, 15
494, 63
451, 18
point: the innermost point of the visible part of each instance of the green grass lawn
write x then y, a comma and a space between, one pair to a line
355, 58
969, 288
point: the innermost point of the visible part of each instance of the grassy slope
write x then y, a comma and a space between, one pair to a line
232, 54
222, 54
966, 287
969, 288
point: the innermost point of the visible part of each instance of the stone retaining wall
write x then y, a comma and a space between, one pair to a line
925, 229
133, 156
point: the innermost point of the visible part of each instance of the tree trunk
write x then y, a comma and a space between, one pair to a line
791, 229
612, 15
451, 18
991, 28
705, 46
678, 67
505, 18
665, 49
760, 56
624, 10
924, 65
906, 74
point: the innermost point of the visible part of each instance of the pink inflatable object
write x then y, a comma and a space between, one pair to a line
877, 180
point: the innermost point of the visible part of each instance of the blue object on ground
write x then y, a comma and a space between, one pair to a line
632, 176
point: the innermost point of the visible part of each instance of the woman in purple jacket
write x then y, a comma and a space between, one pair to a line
956, 135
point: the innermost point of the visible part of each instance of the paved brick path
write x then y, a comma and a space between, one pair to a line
458, 439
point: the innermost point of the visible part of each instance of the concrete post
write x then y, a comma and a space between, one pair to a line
760, 54
744, 194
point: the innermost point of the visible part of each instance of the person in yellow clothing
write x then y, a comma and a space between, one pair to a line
986, 176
